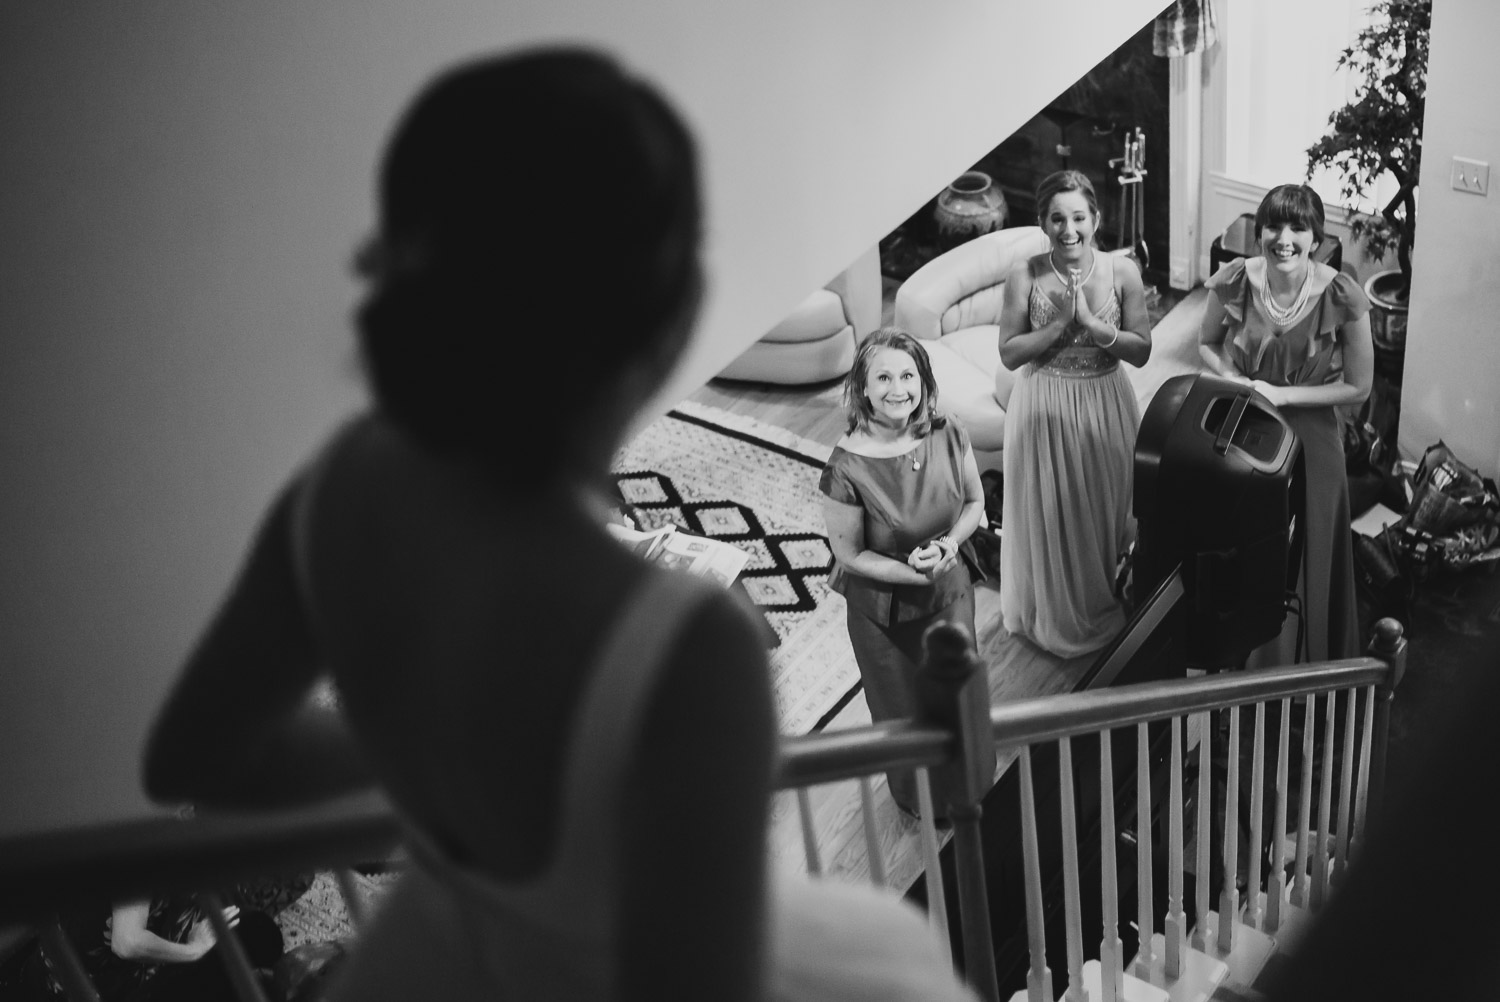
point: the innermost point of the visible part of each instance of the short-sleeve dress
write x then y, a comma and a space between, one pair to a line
908, 500
1069, 465
1307, 353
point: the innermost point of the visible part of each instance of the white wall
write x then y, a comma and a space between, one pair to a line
1451, 388
181, 186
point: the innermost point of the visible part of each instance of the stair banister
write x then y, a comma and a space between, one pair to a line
1389, 645
946, 701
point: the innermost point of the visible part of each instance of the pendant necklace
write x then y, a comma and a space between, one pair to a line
1094, 260
1283, 317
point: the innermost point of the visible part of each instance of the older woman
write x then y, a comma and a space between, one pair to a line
903, 498
1299, 332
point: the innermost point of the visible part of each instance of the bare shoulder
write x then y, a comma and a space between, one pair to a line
1127, 272
1022, 271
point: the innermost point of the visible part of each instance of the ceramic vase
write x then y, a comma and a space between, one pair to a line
971, 205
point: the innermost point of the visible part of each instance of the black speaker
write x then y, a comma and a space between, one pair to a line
1220, 492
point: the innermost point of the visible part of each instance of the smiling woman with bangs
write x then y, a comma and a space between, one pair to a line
1298, 332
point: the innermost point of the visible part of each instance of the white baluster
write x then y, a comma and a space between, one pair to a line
1145, 921
872, 837
1346, 791
1229, 896
242, 977
809, 833
937, 904
1038, 977
1255, 907
354, 902
1111, 950
1203, 836
1072, 901
1362, 784
1300, 891
1174, 931
1325, 806
1276, 887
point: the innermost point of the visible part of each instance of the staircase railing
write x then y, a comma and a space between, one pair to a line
43, 874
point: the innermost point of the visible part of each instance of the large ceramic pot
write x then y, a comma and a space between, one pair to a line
971, 205
1388, 310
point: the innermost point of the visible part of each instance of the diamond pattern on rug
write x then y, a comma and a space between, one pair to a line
717, 474
772, 589
806, 552
723, 521
652, 490
320, 914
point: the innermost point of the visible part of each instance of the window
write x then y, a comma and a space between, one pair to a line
1282, 81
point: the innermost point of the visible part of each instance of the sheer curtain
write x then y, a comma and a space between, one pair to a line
1283, 81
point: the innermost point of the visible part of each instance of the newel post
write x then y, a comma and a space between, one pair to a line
1389, 645
945, 700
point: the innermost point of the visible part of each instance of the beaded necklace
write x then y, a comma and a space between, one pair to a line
1283, 317
1093, 260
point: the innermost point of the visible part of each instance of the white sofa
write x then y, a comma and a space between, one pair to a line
816, 341
952, 305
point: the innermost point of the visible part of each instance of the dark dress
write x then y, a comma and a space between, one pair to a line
904, 508
1308, 353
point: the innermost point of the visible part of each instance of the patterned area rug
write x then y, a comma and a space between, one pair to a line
321, 915
739, 480
746, 482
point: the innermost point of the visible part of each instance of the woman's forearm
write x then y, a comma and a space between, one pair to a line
1327, 395
1216, 357
879, 567
968, 520
1123, 343
147, 947
1019, 349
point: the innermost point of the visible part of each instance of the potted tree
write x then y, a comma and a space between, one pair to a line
1380, 132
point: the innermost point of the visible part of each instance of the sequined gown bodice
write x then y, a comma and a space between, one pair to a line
1074, 353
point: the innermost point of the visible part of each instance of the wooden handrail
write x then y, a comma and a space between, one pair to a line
1048, 718
40, 872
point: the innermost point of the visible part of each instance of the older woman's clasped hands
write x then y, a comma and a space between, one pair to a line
933, 559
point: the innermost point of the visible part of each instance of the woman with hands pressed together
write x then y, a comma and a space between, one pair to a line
1070, 317
1298, 333
903, 498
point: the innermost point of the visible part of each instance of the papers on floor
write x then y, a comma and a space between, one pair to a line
671, 547
1374, 521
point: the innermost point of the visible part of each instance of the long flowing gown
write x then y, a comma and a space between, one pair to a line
1308, 353
1069, 463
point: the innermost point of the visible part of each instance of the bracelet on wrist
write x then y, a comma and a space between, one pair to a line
1113, 337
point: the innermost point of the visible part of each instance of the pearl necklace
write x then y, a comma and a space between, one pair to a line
1085, 280
1283, 317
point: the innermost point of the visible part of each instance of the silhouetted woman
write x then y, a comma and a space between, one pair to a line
578, 744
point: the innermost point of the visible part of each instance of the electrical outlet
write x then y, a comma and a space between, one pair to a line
1471, 175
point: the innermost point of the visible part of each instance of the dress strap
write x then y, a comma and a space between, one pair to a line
609, 718
304, 497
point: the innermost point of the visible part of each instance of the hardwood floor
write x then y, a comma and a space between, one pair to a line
1017, 669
